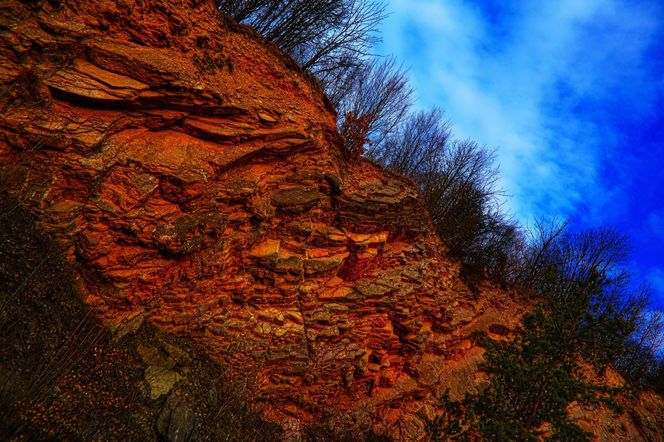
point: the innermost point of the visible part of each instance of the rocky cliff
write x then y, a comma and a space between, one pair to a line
194, 176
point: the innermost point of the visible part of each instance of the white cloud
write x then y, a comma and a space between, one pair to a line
530, 90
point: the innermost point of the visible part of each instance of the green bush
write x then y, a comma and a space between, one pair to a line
533, 380
580, 328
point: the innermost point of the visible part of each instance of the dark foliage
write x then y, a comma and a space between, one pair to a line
656, 380
587, 321
573, 258
529, 391
536, 376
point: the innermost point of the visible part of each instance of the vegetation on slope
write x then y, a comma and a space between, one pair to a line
573, 335
590, 310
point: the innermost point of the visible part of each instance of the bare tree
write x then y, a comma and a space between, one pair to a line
574, 259
326, 37
461, 178
457, 180
378, 93
416, 146
643, 350
460, 191
534, 256
287, 23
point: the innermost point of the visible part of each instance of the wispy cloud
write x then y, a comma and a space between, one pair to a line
540, 82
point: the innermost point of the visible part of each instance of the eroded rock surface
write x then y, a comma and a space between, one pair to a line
196, 178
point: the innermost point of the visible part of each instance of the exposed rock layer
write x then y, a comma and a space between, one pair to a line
196, 176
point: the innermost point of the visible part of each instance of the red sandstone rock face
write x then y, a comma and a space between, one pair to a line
643, 419
197, 178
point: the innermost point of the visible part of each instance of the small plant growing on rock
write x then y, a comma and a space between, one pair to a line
354, 132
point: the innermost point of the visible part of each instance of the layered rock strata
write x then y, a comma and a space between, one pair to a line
196, 178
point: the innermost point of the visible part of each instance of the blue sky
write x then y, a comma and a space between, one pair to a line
569, 92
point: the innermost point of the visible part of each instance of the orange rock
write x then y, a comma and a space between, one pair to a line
197, 177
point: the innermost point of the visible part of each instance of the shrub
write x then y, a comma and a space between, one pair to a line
354, 133
535, 377
588, 316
